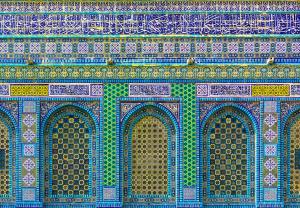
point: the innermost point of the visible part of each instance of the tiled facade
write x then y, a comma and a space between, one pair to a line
149, 104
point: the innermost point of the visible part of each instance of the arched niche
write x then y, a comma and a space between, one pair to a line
149, 156
70, 156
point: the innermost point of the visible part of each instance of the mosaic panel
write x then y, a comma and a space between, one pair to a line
228, 157
270, 194
147, 23
29, 90
149, 157
111, 92
109, 193
103, 72
187, 92
149, 90
29, 170
270, 90
129, 6
71, 89
172, 50
28, 194
4, 89
29, 121
70, 157
270, 160
70, 145
29, 106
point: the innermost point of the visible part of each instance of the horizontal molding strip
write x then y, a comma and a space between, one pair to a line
215, 73
149, 12
153, 36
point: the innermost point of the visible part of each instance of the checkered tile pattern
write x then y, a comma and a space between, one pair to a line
70, 163
228, 157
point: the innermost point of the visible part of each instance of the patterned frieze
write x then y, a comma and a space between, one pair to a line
177, 5
149, 24
248, 90
52, 90
148, 50
150, 90
107, 73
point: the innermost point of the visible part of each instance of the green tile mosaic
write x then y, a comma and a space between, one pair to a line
111, 92
188, 94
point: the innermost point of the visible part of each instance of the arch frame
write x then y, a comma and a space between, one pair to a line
200, 136
98, 136
285, 127
176, 122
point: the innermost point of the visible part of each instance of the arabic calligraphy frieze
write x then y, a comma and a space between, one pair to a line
147, 24
85, 6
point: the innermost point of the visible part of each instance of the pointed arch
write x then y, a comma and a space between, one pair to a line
228, 143
149, 133
70, 153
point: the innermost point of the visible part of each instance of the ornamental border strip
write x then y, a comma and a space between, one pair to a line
164, 73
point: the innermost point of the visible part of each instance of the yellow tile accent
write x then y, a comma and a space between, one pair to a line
29, 90
270, 90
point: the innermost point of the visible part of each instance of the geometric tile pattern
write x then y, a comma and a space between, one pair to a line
188, 92
70, 145
195, 72
111, 92
294, 157
28, 150
149, 167
4, 159
28, 194
8, 154
189, 193
109, 193
70, 157
270, 194
270, 135
270, 150
29, 164
29, 138
228, 157
29, 107
29, 120
297, 159
149, 157
86, 6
